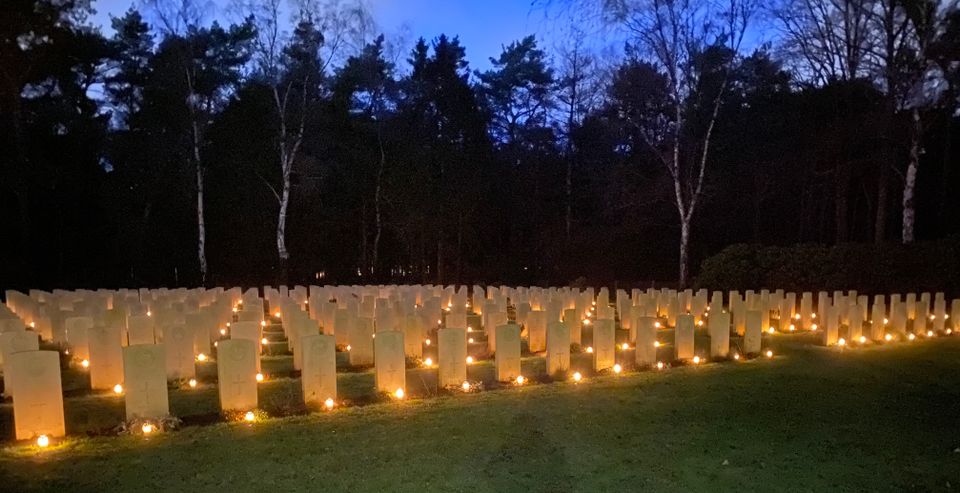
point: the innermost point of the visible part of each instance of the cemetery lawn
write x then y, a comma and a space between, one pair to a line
875, 419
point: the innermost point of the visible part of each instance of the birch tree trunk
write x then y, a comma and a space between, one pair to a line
378, 224
684, 250
201, 222
282, 252
910, 182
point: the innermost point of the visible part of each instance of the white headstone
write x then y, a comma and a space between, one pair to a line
390, 371
683, 337
237, 374
508, 352
558, 347
451, 356
106, 357
145, 381
319, 375
38, 399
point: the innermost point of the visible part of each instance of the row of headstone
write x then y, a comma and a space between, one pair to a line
121, 337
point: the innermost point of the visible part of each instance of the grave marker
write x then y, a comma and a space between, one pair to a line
508, 352
38, 399
237, 374
390, 371
319, 375
145, 381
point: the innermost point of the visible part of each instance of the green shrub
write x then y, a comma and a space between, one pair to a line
868, 268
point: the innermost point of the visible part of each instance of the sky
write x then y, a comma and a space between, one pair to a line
484, 26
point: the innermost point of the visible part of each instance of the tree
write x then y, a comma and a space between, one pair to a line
578, 91
440, 111
926, 22
366, 84
829, 40
694, 46
516, 92
209, 62
51, 132
293, 75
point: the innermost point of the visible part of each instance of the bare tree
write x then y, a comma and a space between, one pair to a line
827, 39
579, 91
672, 35
292, 65
926, 21
175, 18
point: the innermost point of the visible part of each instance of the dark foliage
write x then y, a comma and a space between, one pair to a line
422, 170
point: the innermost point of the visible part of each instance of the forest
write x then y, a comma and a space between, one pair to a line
299, 143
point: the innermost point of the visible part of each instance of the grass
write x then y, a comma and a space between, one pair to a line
880, 418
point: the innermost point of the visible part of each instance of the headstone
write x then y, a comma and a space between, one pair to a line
451, 356
249, 331
753, 332
939, 313
413, 336
806, 310
140, 330
16, 341
573, 321
106, 357
237, 374
898, 320
508, 352
604, 344
720, 335
178, 344
319, 375
537, 331
855, 323
646, 347
77, 336
830, 320
38, 399
201, 325
145, 381
683, 339
390, 371
558, 347
361, 342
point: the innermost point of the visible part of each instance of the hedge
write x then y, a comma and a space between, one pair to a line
868, 268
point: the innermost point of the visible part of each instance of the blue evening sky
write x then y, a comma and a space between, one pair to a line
483, 25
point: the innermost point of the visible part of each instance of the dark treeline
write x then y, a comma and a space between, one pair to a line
181, 152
